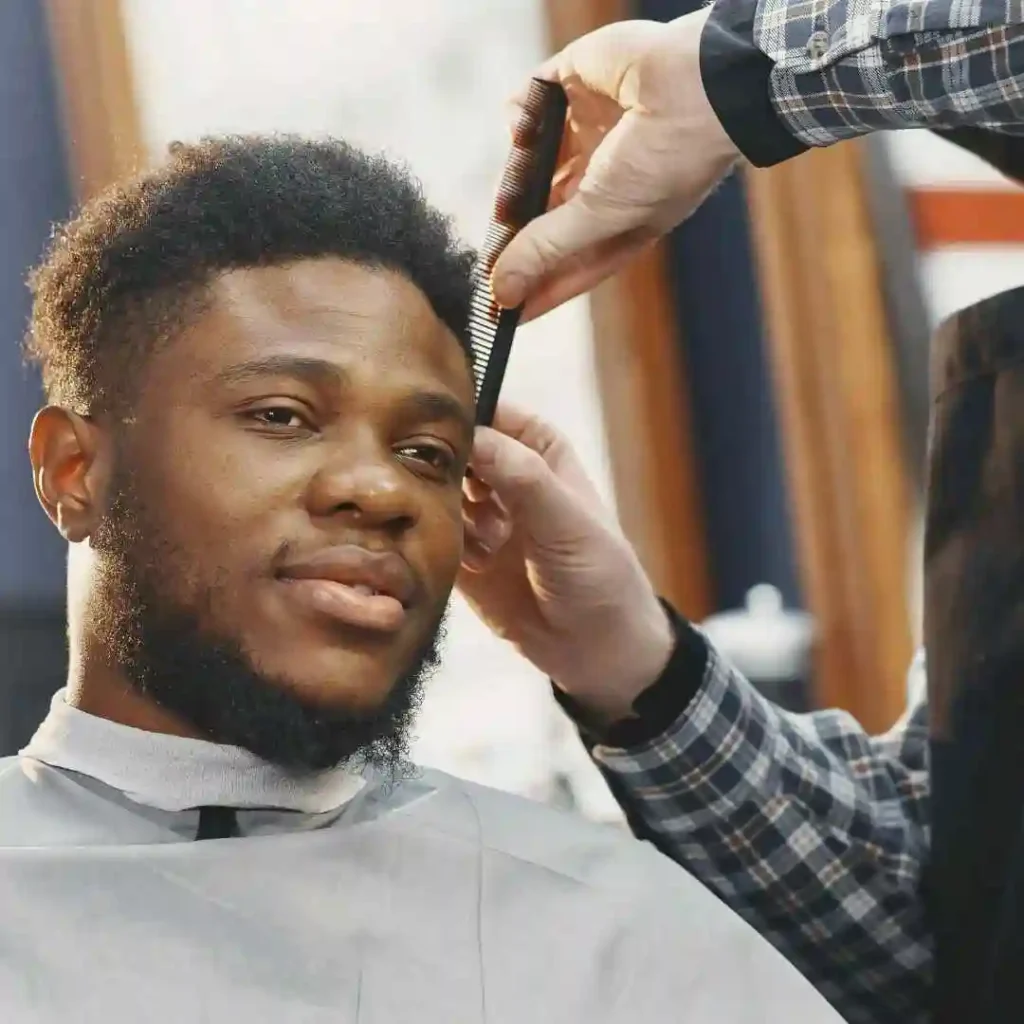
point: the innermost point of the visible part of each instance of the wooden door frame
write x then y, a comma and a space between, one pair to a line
97, 92
843, 424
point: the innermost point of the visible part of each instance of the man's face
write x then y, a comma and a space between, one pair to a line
285, 519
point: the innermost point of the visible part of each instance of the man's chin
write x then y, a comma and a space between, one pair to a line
324, 707
301, 727
337, 680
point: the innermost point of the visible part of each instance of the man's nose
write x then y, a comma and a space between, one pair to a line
367, 485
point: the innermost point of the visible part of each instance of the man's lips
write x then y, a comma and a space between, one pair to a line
367, 589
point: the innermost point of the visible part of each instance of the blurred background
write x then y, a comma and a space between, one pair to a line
751, 397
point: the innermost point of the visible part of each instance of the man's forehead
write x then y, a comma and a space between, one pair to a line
322, 292
361, 318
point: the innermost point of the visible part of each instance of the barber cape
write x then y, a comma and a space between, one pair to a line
347, 901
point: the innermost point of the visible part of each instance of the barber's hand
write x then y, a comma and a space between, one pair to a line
547, 569
643, 149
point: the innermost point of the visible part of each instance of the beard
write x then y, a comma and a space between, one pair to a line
169, 654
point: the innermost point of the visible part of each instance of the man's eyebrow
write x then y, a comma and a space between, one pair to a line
439, 405
428, 405
316, 372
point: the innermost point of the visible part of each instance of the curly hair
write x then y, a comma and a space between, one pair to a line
134, 267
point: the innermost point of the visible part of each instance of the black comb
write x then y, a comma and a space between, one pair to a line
522, 196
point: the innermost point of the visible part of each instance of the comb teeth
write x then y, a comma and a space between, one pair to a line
522, 195
511, 205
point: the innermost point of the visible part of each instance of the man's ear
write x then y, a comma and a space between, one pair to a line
68, 470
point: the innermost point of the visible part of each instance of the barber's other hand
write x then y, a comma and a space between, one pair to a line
643, 149
547, 569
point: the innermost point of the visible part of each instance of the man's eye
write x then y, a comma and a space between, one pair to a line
437, 458
281, 416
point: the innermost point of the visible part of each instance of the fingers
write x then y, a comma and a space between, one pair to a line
487, 531
574, 221
551, 445
534, 432
549, 71
475, 559
542, 245
601, 200
517, 473
531, 431
486, 523
485, 518
475, 490
602, 58
606, 209
547, 496
525, 427
582, 273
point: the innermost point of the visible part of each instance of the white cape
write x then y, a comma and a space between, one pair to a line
432, 902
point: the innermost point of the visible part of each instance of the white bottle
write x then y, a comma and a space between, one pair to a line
770, 644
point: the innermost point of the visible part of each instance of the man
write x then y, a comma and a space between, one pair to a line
261, 413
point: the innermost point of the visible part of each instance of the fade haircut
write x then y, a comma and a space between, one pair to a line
135, 266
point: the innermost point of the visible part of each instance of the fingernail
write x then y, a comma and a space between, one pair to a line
475, 557
512, 288
493, 536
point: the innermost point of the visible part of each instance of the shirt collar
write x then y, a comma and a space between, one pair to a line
173, 773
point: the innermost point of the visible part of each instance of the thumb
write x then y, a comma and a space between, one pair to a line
538, 502
546, 243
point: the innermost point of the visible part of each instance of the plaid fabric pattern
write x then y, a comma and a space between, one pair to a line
812, 830
847, 67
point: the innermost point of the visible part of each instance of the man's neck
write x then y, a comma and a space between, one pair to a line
101, 689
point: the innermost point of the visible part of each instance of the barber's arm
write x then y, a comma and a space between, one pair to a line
813, 831
661, 112
810, 829
783, 75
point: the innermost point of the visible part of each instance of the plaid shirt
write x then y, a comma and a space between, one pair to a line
835, 69
813, 831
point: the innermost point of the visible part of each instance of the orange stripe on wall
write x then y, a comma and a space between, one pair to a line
967, 216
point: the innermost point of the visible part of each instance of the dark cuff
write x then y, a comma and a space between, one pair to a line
736, 76
662, 703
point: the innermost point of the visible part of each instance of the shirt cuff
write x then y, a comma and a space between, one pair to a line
658, 707
736, 78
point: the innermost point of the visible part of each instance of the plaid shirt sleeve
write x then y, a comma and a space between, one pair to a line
784, 75
813, 831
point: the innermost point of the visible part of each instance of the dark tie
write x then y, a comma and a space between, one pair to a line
217, 823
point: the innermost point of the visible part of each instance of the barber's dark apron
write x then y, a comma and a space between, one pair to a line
974, 635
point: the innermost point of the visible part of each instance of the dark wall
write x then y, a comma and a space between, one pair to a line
34, 192
736, 432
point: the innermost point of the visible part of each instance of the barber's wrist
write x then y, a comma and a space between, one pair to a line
736, 78
683, 37
604, 692
659, 705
